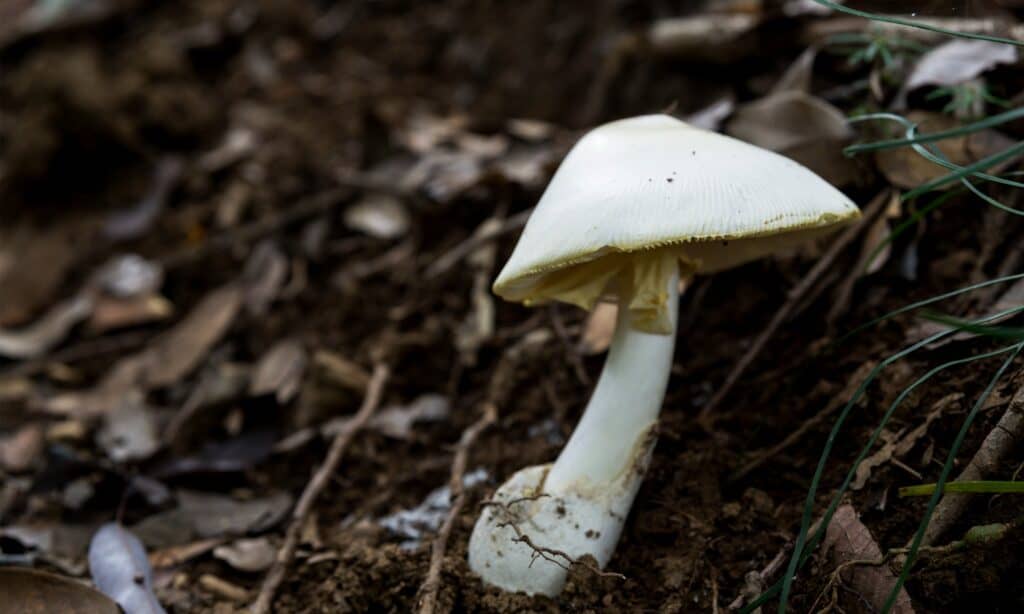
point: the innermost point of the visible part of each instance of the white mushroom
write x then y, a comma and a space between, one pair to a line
635, 205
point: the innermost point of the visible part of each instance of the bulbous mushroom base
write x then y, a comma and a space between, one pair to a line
526, 539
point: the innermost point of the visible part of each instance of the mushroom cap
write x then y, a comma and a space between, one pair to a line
656, 184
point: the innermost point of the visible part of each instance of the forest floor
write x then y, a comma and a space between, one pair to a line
226, 223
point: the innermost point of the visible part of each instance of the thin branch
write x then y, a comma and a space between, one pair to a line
1001, 440
319, 481
432, 582
478, 238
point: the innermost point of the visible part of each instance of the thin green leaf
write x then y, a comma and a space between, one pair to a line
980, 486
984, 124
916, 24
947, 468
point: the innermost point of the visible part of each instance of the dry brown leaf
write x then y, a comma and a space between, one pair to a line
250, 555
40, 259
799, 126
341, 371
112, 313
21, 449
264, 277
532, 130
280, 371
713, 38
712, 116
381, 216
49, 331
173, 556
905, 168
398, 421
176, 353
797, 77
599, 329
129, 433
216, 515
36, 592
851, 541
958, 61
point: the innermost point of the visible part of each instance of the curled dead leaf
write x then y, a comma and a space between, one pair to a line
37, 592
798, 126
280, 371
853, 550
905, 168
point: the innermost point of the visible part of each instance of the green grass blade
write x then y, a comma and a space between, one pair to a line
931, 301
915, 24
980, 486
989, 122
947, 468
798, 549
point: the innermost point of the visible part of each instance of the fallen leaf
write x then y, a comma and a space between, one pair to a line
41, 258
398, 421
129, 433
216, 515
424, 133
178, 352
20, 450
238, 143
444, 175
413, 524
799, 126
173, 556
112, 313
530, 129
712, 116
527, 166
39, 592
49, 331
797, 77
905, 168
129, 276
135, 221
234, 455
341, 371
119, 567
599, 329
251, 555
223, 588
264, 277
279, 371
851, 541
381, 216
958, 61
711, 38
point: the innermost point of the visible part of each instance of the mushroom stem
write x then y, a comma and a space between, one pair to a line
545, 518
625, 404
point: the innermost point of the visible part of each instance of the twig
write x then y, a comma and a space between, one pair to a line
90, 348
478, 238
313, 489
259, 228
432, 582
795, 296
1006, 434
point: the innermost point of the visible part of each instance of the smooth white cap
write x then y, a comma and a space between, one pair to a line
656, 183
